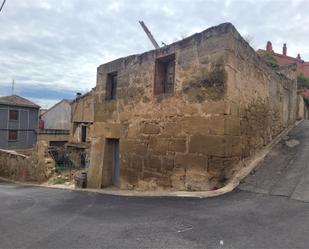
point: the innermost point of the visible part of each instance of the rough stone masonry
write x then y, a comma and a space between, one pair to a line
186, 114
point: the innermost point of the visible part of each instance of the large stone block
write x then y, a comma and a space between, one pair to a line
148, 174
177, 145
133, 146
109, 130
129, 178
222, 168
204, 125
164, 182
207, 144
191, 161
153, 163
190, 172
136, 162
178, 178
168, 163
150, 129
158, 145
94, 179
171, 129
105, 112
197, 180
216, 107
215, 145
232, 125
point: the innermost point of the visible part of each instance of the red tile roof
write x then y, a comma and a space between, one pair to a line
283, 59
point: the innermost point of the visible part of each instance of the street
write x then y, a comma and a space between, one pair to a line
32, 217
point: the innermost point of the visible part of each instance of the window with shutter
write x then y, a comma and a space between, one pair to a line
164, 74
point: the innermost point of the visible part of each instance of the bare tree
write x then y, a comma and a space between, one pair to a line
249, 39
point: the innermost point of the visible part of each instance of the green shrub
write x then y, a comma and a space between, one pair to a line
59, 180
269, 59
302, 81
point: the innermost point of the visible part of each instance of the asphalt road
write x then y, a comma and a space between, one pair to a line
285, 170
32, 217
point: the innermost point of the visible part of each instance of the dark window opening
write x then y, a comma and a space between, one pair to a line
82, 160
164, 74
13, 135
111, 86
13, 115
84, 133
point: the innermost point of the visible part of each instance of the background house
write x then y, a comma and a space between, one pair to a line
283, 62
18, 122
82, 114
284, 59
55, 124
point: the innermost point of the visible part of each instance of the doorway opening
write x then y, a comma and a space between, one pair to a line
84, 133
111, 163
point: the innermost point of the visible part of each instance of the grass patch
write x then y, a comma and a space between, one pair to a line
59, 180
269, 59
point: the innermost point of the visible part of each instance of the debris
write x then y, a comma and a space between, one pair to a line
292, 143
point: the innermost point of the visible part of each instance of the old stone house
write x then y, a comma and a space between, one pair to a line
18, 123
182, 116
82, 115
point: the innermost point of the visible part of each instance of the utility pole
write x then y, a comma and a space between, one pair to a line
2, 5
151, 38
13, 85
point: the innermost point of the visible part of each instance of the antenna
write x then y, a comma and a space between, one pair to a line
13, 85
153, 41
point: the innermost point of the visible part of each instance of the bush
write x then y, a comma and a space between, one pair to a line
269, 59
59, 180
302, 81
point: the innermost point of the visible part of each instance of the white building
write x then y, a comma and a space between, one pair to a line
55, 123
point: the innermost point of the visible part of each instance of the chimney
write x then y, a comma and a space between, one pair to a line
78, 95
284, 49
269, 47
298, 57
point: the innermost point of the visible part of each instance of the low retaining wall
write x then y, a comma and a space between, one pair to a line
38, 167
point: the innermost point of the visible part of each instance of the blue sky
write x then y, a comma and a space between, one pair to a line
52, 48
41, 95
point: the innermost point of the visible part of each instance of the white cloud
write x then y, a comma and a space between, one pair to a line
61, 43
44, 103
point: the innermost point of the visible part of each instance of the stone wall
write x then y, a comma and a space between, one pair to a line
266, 99
302, 110
226, 104
82, 115
38, 167
82, 108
